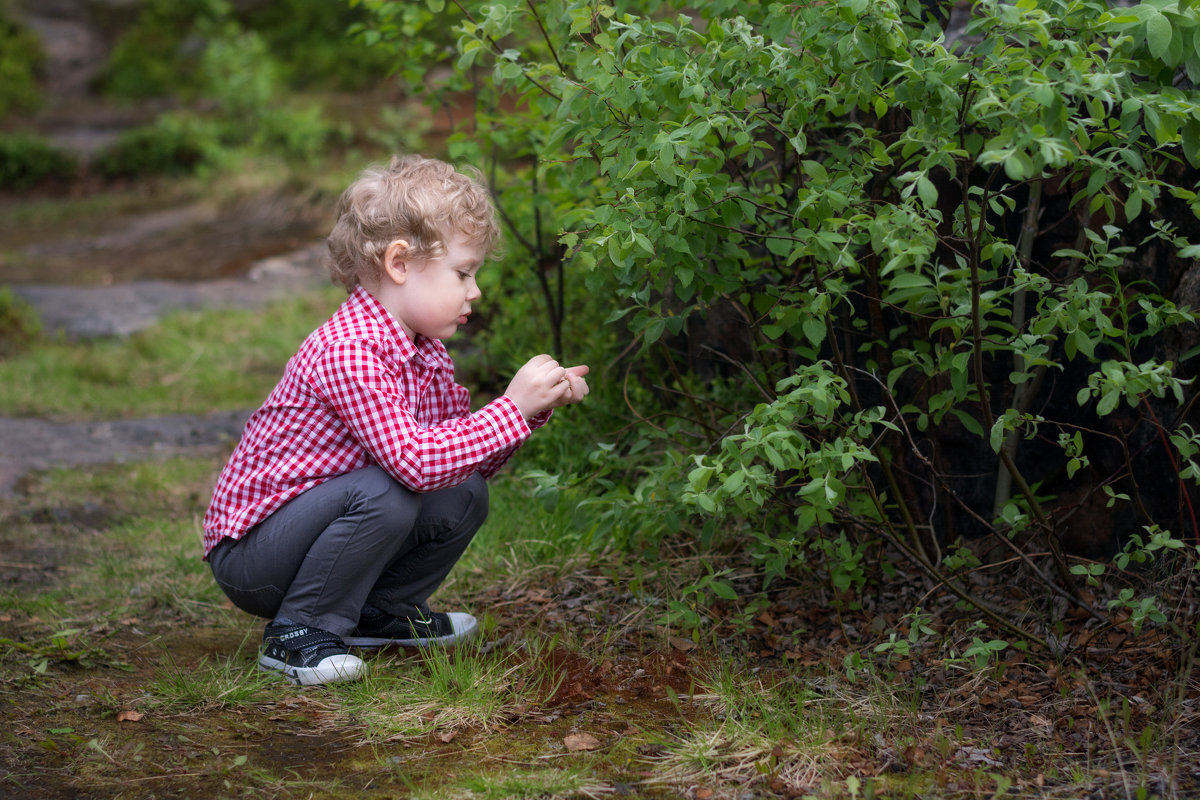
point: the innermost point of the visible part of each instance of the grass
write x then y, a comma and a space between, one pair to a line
124, 672
440, 693
193, 363
215, 683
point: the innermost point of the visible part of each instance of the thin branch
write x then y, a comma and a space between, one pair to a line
545, 35
497, 51
919, 559
761, 389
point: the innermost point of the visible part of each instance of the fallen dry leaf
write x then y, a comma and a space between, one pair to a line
447, 736
682, 644
578, 742
129, 716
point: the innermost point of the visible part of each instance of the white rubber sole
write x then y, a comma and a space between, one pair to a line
464, 626
328, 670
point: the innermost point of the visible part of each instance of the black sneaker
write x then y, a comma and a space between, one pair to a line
421, 628
308, 656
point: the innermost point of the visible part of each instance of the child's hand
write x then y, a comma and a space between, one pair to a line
543, 384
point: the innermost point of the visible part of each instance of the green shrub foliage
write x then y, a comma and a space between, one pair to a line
174, 144
162, 52
21, 58
891, 292
27, 160
158, 54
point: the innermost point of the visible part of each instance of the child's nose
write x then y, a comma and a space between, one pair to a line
473, 292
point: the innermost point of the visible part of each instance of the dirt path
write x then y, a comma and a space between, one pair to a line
28, 445
119, 309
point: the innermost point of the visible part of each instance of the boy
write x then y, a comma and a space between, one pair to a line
360, 482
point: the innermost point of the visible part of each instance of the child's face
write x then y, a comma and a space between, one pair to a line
435, 295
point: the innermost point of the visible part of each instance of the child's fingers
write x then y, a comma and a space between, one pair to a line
557, 385
577, 388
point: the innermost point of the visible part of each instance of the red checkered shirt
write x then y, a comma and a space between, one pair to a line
359, 392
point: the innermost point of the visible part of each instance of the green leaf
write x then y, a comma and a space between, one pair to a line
968, 422
436, 6
723, 590
1108, 402
654, 330
996, 438
1133, 206
927, 192
814, 330
664, 167
1191, 141
1158, 34
1018, 166
910, 280
1083, 343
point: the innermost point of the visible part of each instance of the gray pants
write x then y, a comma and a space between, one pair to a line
357, 539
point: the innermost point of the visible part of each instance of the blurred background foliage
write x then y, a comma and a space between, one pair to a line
223, 81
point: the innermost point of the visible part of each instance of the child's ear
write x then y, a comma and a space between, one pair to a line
395, 264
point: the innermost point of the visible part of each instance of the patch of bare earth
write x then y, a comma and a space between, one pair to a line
87, 718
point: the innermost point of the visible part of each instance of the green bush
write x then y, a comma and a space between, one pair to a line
27, 159
933, 276
301, 134
241, 76
20, 58
237, 62
309, 42
162, 53
154, 58
174, 144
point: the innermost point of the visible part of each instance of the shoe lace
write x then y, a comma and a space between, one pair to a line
312, 644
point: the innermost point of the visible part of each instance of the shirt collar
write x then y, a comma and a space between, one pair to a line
431, 351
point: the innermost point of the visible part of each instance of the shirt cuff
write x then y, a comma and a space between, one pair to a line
534, 422
508, 417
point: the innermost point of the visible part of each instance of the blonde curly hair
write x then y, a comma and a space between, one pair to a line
421, 200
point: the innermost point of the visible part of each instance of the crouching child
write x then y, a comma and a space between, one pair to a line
361, 480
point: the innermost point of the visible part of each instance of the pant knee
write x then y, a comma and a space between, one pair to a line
477, 507
379, 498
